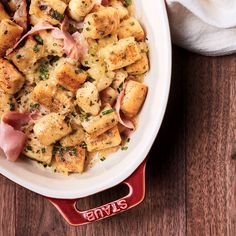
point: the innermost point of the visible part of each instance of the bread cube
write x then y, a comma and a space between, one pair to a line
70, 160
119, 79
87, 98
3, 14
73, 139
122, 11
36, 151
135, 94
97, 125
10, 33
44, 93
11, 81
7, 103
80, 8
109, 95
106, 140
24, 58
69, 76
139, 67
131, 28
51, 128
123, 53
99, 24
101, 78
51, 11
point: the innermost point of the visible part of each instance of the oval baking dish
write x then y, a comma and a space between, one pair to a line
121, 165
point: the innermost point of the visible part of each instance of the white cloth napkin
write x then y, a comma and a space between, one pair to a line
207, 27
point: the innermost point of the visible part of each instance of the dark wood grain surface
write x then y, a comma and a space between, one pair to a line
191, 173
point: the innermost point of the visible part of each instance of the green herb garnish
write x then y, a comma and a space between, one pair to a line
83, 145
102, 158
128, 2
44, 72
36, 48
106, 112
38, 39
124, 148
56, 15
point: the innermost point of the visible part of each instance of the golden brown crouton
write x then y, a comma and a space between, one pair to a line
139, 67
120, 54
52, 10
101, 23
70, 160
106, 140
69, 76
135, 94
3, 14
24, 58
87, 98
51, 128
73, 139
131, 28
10, 33
80, 8
97, 125
35, 150
11, 81
7, 103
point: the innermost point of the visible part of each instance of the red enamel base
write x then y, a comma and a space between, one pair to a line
136, 184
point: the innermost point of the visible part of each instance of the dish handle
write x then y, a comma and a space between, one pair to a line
136, 184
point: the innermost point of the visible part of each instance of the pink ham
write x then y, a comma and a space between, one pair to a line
12, 139
21, 15
122, 120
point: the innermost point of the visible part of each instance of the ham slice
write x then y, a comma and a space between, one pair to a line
12, 139
21, 15
74, 45
122, 120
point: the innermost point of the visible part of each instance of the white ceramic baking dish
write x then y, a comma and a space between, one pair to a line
117, 167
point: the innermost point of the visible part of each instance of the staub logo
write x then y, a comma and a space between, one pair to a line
106, 210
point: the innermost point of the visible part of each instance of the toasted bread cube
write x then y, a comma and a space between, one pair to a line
99, 24
36, 151
44, 93
10, 33
131, 28
123, 53
51, 128
87, 98
122, 11
80, 8
139, 67
69, 76
73, 139
11, 81
106, 140
25, 57
135, 94
119, 79
7, 103
71, 161
98, 73
3, 14
53, 46
52, 10
109, 39
97, 125
109, 95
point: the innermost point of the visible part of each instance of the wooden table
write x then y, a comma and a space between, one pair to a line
191, 173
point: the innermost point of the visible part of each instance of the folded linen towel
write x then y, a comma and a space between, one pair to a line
206, 27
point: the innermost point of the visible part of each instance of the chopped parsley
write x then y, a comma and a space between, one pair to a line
34, 106
124, 148
83, 145
18, 56
36, 48
102, 158
43, 150
90, 79
56, 15
28, 148
12, 106
128, 2
38, 39
106, 112
61, 87
44, 72
120, 88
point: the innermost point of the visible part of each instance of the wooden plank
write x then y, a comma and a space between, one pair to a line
209, 133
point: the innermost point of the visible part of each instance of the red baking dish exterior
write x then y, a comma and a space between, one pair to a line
75, 217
